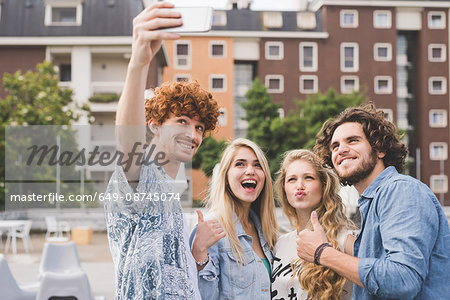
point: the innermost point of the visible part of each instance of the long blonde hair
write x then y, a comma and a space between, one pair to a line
318, 281
223, 205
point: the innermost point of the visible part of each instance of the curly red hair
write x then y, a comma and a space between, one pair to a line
182, 98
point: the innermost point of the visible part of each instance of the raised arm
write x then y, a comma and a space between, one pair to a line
130, 117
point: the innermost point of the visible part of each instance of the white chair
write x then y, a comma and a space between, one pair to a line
56, 227
64, 285
9, 289
60, 258
60, 273
22, 232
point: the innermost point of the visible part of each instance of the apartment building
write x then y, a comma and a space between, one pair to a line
89, 42
397, 52
394, 51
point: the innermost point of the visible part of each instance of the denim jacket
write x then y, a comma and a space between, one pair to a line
224, 278
404, 243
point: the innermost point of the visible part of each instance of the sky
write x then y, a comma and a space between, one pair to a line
256, 5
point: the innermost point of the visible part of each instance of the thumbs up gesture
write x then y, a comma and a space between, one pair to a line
208, 233
308, 241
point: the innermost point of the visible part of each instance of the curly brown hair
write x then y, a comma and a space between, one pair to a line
381, 134
182, 98
319, 281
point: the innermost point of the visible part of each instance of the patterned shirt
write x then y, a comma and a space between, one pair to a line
148, 238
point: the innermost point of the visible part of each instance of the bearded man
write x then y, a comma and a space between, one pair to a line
403, 248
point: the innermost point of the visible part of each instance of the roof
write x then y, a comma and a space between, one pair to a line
250, 20
99, 18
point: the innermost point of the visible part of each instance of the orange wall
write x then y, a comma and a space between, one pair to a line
201, 72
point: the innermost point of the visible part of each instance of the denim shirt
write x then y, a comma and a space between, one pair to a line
224, 278
404, 243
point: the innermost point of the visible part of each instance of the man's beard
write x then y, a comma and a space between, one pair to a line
362, 172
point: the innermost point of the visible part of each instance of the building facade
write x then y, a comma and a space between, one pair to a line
396, 52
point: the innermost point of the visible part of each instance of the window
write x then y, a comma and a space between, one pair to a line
437, 85
309, 84
217, 83
308, 56
439, 183
182, 77
349, 57
223, 116
217, 49
274, 50
65, 72
438, 151
383, 85
436, 20
281, 113
349, 84
388, 114
438, 118
182, 57
272, 19
382, 52
219, 18
63, 13
349, 18
382, 19
436, 52
275, 83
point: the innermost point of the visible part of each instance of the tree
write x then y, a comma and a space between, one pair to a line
35, 98
260, 113
318, 108
208, 155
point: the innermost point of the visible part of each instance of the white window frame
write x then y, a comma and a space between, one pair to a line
188, 56
376, 88
439, 177
274, 76
389, 19
223, 18
388, 46
50, 4
444, 118
444, 150
218, 76
187, 76
389, 114
435, 13
267, 52
355, 67
355, 18
315, 79
272, 19
443, 53
349, 77
301, 46
444, 85
223, 117
217, 42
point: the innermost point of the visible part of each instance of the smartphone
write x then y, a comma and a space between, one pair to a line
195, 19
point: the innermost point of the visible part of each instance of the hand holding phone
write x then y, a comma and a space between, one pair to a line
195, 19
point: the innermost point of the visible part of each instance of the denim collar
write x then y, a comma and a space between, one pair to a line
371, 190
241, 232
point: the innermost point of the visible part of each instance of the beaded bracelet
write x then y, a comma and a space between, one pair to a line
202, 263
319, 251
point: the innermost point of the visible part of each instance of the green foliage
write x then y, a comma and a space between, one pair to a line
104, 98
260, 113
208, 155
35, 98
300, 126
